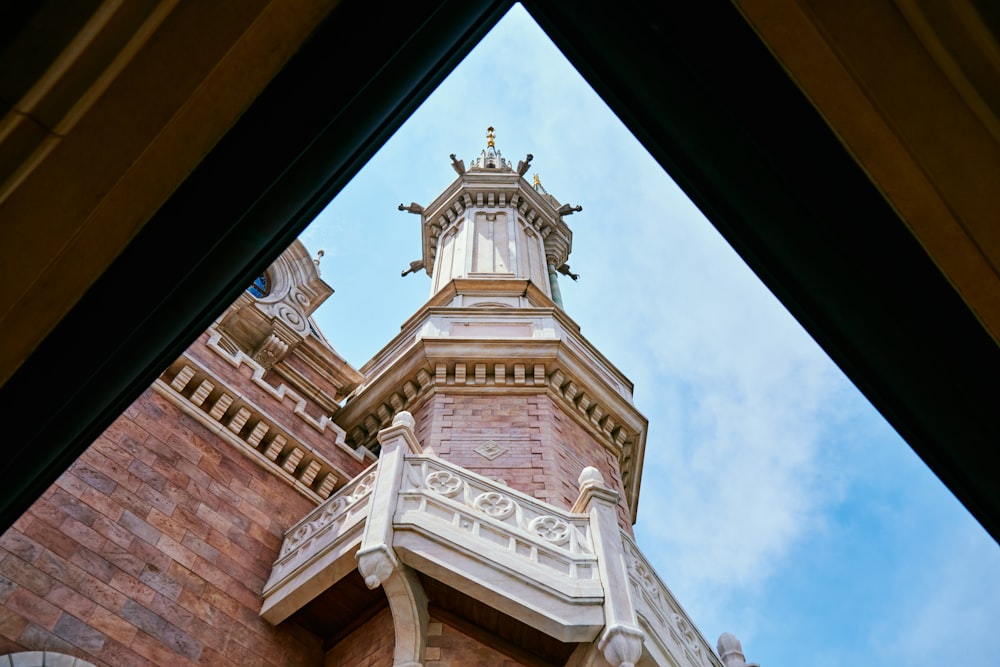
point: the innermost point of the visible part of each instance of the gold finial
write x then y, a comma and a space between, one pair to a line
538, 181
489, 136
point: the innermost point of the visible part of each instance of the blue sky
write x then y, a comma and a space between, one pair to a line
776, 503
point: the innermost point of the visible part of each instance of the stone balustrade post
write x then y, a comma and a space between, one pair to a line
377, 560
731, 652
622, 638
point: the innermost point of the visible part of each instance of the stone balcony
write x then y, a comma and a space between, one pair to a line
575, 576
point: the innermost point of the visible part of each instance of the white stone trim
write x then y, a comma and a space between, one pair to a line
42, 659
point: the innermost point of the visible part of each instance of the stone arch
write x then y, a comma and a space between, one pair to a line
42, 659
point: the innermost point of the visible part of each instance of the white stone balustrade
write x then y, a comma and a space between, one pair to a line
670, 634
319, 550
573, 575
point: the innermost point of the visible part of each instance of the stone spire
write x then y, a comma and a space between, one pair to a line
491, 223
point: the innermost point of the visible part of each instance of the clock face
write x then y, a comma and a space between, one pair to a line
260, 287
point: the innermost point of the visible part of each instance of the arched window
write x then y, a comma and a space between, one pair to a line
261, 286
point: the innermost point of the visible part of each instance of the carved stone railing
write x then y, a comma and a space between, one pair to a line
574, 575
319, 550
669, 630
509, 526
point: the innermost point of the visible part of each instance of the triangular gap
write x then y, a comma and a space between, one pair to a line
755, 436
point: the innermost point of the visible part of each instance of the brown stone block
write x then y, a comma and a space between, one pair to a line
72, 484
167, 454
157, 652
246, 591
159, 581
54, 541
139, 527
220, 603
245, 541
82, 534
175, 550
6, 588
269, 534
171, 612
143, 618
127, 500
240, 654
204, 497
49, 512
79, 634
12, 625
207, 554
41, 638
149, 554
94, 589
104, 506
188, 580
134, 590
148, 476
19, 544
196, 476
25, 575
166, 524
112, 625
175, 477
213, 574
125, 427
118, 653
102, 473
112, 532
94, 564
33, 608
229, 497
189, 518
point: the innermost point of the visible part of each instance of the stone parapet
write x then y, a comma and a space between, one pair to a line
573, 575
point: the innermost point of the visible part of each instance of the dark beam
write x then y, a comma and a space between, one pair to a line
701, 92
300, 142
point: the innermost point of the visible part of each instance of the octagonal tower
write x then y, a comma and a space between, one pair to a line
498, 519
497, 375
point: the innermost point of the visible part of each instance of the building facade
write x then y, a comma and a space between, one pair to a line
465, 498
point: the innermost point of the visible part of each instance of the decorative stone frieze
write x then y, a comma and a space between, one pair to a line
206, 397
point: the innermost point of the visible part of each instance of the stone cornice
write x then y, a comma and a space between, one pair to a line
457, 365
225, 409
494, 190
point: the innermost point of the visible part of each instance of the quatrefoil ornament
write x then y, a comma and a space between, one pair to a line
494, 504
444, 482
550, 528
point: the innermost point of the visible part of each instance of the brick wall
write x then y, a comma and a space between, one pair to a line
371, 645
546, 449
152, 549
450, 647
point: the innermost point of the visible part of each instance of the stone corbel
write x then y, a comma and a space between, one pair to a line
622, 638
377, 560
